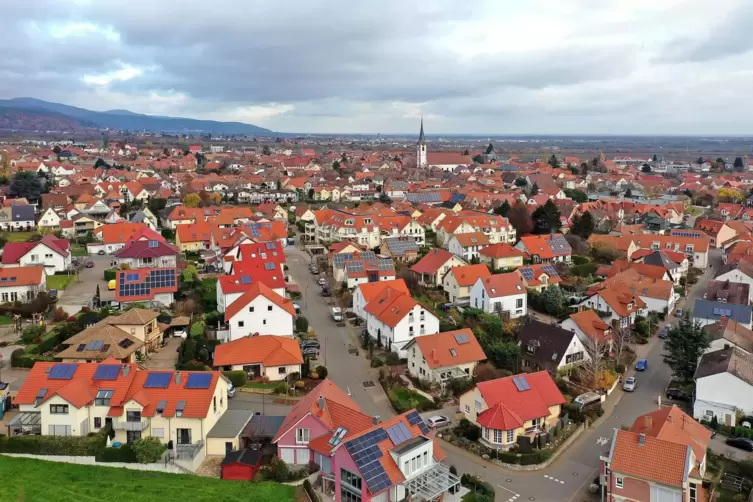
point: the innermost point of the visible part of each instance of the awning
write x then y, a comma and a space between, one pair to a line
26, 422
432, 483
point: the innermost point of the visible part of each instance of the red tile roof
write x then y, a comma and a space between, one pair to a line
499, 285
255, 290
119, 232
13, 251
442, 350
674, 425
654, 460
391, 306
268, 350
467, 275
143, 249
501, 250
591, 324
21, 276
432, 262
371, 290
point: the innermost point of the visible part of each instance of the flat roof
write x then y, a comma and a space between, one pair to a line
409, 445
231, 424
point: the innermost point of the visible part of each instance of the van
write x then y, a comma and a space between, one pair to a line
587, 399
230, 390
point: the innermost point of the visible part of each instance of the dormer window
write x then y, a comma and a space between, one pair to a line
630, 306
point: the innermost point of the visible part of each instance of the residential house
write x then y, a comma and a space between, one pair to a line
539, 277
693, 243
458, 281
658, 295
193, 237
17, 218
365, 292
84, 224
273, 357
403, 248
114, 237
393, 319
496, 228
514, 407
432, 267
718, 231
501, 256
728, 333
707, 312
661, 457
500, 293
724, 385
49, 220
728, 292
443, 357
76, 399
50, 252
675, 263
548, 347
591, 329
545, 248
739, 272
615, 306
231, 287
21, 284
147, 254
157, 285
373, 270
468, 245
259, 310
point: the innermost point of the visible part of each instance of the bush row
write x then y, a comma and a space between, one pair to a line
123, 454
92, 445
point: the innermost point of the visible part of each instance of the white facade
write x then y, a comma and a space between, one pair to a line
576, 353
517, 304
596, 302
43, 255
49, 219
465, 252
10, 293
721, 395
418, 322
736, 276
159, 262
262, 316
355, 281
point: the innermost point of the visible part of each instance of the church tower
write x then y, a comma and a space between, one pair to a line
421, 160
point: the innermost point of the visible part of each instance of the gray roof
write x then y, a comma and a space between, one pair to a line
22, 213
425, 197
730, 360
231, 424
660, 259
263, 426
706, 309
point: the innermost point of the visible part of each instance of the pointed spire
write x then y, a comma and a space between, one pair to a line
421, 138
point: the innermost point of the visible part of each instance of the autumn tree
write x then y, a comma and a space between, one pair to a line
520, 219
215, 198
729, 195
192, 200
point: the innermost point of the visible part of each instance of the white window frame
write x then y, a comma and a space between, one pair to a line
302, 436
619, 482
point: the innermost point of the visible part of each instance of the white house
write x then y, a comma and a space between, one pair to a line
395, 318
364, 293
21, 283
443, 357
49, 220
500, 293
467, 246
259, 310
724, 386
50, 252
549, 347
741, 271
616, 306
274, 357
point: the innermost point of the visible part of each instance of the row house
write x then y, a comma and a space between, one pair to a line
693, 243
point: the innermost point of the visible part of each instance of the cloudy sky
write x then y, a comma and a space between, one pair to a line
368, 66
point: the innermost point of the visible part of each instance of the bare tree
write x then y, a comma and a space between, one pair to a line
594, 365
621, 337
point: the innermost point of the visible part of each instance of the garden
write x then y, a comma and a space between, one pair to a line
730, 480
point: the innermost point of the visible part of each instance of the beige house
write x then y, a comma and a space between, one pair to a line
458, 281
501, 256
432, 268
506, 408
443, 357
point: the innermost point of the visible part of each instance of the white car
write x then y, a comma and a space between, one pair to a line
322, 281
438, 421
629, 385
180, 333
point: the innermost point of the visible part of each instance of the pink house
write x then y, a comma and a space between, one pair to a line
361, 459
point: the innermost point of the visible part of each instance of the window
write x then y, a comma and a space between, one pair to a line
510, 436
269, 308
693, 493
214, 403
497, 436
283, 370
618, 481
519, 303
250, 309
264, 322
103, 397
158, 433
302, 435
97, 422
240, 324
350, 479
59, 409
59, 430
467, 409
133, 416
709, 413
426, 458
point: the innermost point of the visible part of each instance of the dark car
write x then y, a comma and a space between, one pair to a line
310, 352
307, 344
664, 333
742, 443
89, 264
677, 395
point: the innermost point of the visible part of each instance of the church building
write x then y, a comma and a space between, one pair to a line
447, 161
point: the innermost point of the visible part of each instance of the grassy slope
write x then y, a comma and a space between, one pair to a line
46, 481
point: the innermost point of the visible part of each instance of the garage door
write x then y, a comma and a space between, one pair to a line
288, 455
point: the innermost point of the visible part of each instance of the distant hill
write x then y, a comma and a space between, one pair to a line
30, 111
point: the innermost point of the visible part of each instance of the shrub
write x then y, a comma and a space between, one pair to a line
110, 275
194, 366
376, 362
237, 378
460, 385
579, 260
392, 359
60, 315
620, 368
322, 372
198, 328
282, 388
314, 375
301, 324
468, 430
148, 450
123, 454
30, 333
299, 384
77, 446
278, 470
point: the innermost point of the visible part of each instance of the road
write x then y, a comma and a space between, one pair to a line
80, 293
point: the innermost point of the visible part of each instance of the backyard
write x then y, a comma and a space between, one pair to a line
16, 236
59, 282
75, 482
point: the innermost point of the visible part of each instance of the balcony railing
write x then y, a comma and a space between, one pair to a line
188, 451
131, 425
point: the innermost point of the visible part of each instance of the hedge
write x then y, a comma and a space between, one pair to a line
237, 378
110, 275
20, 359
75, 446
123, 454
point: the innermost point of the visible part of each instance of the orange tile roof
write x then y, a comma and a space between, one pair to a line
371, 290
438, 349
119, 232
655, 460
591, 324
501, 250
539, 245
391, 306
472, 239
255, 290
268, 350
21, 276
619, 301
467, 275
433, 261
508, 284
674, 425
194, 232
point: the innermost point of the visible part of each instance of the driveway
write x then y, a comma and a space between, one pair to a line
80, 293
14, 376
166, 357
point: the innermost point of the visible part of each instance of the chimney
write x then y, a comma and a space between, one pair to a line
321, 403
126, 369
375, 420
642, 439
647, 422
177, 378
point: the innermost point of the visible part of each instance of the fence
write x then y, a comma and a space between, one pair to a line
158, 467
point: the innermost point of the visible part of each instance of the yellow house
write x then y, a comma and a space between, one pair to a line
518, 405
193, 236
321, 193
501, 256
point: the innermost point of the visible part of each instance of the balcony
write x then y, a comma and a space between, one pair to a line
131, 425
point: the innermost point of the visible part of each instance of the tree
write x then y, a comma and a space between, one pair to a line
578, 244
26, 184
534, 189
546, 218
654, 158
385, 199
520, 219
596, 362
553, 300
56, 149
700, 161
478, 158
101, 164
301, 324
466, 152
489, 149
148, 450
576, 195
646, 168
583, 225
521, 182
168, 234
554, 161
156, 205
216, 198
344, 158
583, 167
502, 209
5, 167
311, 194
685, 344
720, 161
192, 200
621, 338
265, 150
628, 193
335, 164
729, 195
739, 165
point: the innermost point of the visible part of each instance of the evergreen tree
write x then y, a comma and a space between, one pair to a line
534, 189
654, 158
583, 225
684, 346
489, 149
546, 218
628, 193
739, 165
646, 168
554, 161
502, 209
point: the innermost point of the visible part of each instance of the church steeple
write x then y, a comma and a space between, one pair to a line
421, 160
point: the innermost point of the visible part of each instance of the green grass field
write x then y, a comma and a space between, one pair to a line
16, 236
59, 282
37, 480
6, 320
79, 252
260, 385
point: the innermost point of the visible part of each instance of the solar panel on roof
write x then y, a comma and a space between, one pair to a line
365, 453
722, 312
62, 371
399, 433
106, 372
199, 381
158, 380
270, 245
521, 383
94, 345
245, 279
161, 405
413, 417
527, 273
424, 428
269, 265
461, 339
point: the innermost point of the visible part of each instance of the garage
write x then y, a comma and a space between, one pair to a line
241, 465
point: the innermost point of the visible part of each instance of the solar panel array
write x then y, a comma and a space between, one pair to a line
399, 433
526, 272
683, 233
106, 372
559, 245
270, 245
461, 339
521, 383
365, 453
550, 270
401, 245
62, 371
199, 381
385, 264
415, 419
423, 197
354, 266
161, 278
94, 345
722, 312
158, 380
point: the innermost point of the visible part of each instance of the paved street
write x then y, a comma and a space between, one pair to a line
79, 293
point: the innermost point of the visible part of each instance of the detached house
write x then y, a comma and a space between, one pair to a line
501, 256
508, 409
443, 357
458, 281
21, 284
50, 252
589, 328
549, 347
274, 357
432, 267
467, 246
259, 310
393, 319
500, 293
366, 292
724, 385
545, 248
615, 306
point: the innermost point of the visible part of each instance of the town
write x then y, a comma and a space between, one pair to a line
365, 324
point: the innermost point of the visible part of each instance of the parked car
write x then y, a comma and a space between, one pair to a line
297, 309
664, 333
438, 421
676, 394
641, 365
101, 252
322, 281
310, 352
629, 385
308, 344
89, 264
180, 333
742, 443
678, 313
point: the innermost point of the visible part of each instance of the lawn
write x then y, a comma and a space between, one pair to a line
16, 236
6, 320
261, 385
403, 399
79, 483
59, 282
79, 252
